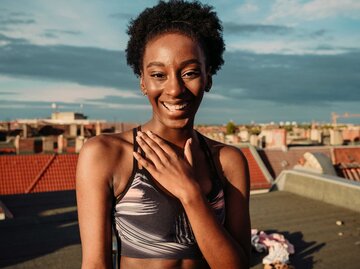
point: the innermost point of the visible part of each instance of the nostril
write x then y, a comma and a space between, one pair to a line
175, 88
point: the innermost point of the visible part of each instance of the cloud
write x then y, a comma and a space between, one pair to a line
101, 80
291, 46
313, 10
122, 16
55, 33
70, 93
7, 93
82, 65
67, 32
247, 7
233, 28
6, 40
290, 79
271, 77
49, 35
10, 19
16, 21
216, 96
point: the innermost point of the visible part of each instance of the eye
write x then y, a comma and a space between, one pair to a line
157, 75
191, 74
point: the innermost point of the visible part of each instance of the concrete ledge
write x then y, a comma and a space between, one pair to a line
329, 189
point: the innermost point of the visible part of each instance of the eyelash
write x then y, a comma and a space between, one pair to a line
157, 75
191, 74
188, 74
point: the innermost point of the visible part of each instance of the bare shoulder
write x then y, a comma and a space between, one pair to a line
227, 154
106, 143
101, 154
231, 159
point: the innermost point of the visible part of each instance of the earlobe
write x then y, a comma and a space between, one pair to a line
208, 84
142, 85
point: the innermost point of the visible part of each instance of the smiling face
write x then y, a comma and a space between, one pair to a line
174, 77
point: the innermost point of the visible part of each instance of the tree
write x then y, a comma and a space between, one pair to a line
230, 127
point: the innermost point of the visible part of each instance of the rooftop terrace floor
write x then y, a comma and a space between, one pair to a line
44, 232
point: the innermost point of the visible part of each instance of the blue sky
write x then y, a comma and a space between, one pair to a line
291, 60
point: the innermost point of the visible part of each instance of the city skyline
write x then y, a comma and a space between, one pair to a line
284, 61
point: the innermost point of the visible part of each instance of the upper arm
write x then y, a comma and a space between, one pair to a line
94, 201
237, 190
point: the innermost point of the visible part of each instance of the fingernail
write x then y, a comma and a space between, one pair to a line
149, 133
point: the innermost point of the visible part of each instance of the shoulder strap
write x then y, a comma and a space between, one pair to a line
136, 146
135, 166
215, 178
209, 156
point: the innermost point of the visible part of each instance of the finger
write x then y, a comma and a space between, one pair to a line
145, 163
162, 146
187, 151
148, 150
139, 151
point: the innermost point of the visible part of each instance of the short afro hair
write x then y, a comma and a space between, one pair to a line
193, 19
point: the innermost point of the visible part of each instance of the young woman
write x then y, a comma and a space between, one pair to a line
176, 198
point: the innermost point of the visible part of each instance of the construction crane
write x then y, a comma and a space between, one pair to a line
335, 116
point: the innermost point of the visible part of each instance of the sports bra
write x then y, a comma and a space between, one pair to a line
152, 224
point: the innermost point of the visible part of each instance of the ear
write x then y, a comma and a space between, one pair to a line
142, 85
209, 83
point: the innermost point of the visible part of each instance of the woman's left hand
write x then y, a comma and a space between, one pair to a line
173, 172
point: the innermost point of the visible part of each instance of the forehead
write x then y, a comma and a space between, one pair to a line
169, 46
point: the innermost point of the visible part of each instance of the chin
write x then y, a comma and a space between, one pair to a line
178, 123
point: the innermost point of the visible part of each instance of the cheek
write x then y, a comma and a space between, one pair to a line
153, 95
152, 84
196, 87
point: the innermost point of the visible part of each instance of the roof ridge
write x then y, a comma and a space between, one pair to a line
40, 174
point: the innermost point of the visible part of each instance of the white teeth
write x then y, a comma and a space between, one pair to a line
175, 107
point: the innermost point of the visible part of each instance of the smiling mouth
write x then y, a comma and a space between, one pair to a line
177, 107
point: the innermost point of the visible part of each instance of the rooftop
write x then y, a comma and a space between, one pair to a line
44, 232
56, 172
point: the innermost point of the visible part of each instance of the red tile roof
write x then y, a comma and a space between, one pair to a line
37, 173
257, 177
54, 172
350, 171
346, 159
347, 162
347, 155
278, 160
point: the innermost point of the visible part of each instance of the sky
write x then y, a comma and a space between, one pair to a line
285, 60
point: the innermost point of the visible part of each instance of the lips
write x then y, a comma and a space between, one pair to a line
175, 107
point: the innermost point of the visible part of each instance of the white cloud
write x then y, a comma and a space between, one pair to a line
90, 21
127, 106
287, 47
247, 7
215, 96
313, 10
67, 93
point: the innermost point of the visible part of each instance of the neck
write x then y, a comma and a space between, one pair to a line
176, 136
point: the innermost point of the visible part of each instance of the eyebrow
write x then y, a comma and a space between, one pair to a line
184, 63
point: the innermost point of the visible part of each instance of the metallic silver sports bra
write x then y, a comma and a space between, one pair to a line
152, 224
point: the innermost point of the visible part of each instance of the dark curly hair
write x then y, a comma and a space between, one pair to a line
193, 19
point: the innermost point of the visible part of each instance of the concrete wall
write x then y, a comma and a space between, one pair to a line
330, 189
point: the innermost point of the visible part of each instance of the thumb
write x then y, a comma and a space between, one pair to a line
187, 151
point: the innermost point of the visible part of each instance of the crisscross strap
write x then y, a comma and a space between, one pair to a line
214, 173
136, 147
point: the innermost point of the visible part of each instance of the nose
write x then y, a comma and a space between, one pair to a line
175, 85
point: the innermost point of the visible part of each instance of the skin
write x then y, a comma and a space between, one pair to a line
174, 76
